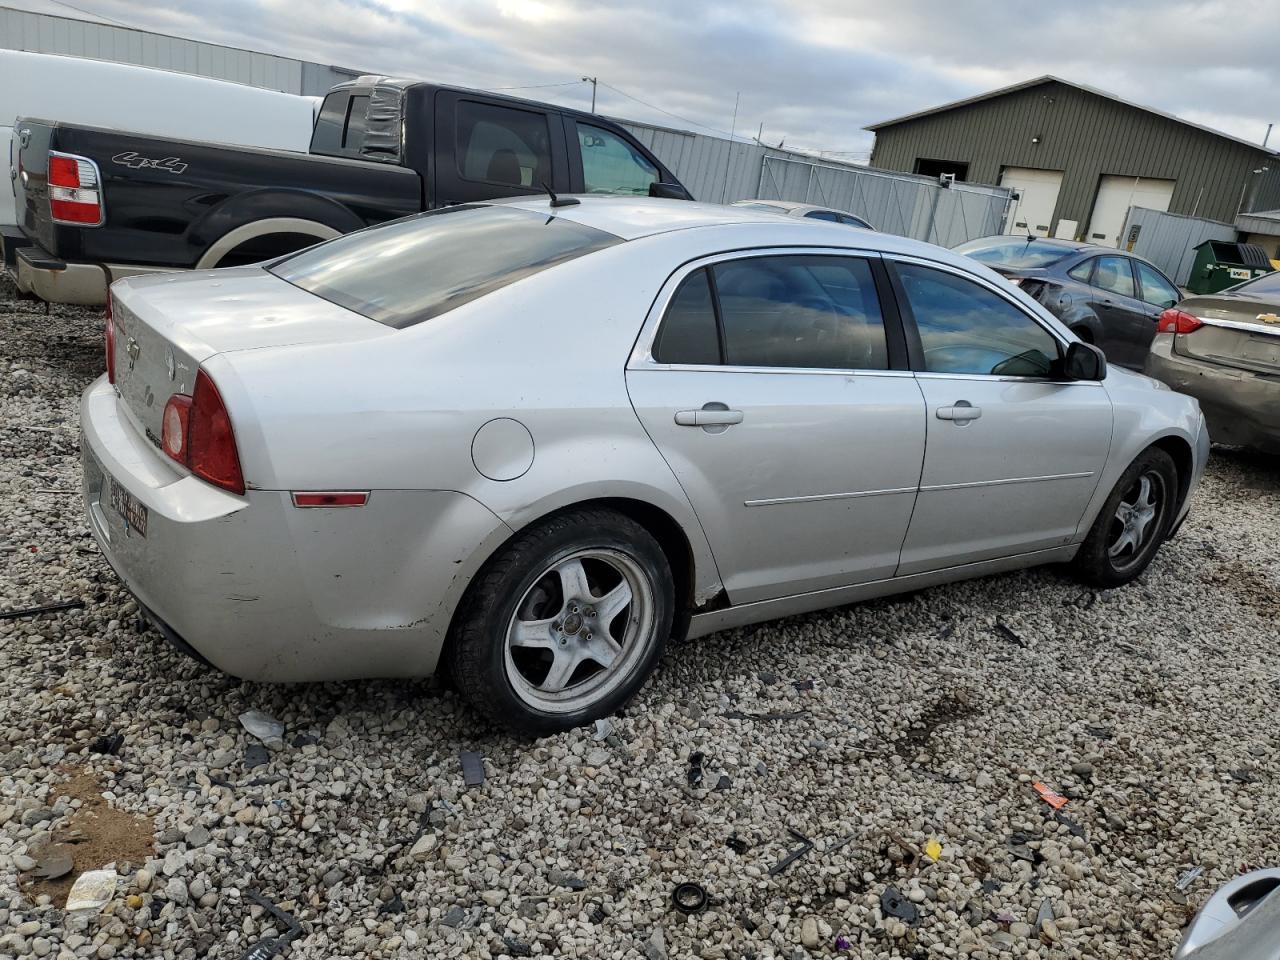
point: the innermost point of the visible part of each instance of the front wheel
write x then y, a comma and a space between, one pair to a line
565, 624
1132, 524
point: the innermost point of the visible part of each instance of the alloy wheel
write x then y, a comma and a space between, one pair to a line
1137, 521
579, 630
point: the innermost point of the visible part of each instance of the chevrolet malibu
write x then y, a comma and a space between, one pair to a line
530, 441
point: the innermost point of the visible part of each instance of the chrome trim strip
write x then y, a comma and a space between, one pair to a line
808, 371
934, 488
828, 496
1273, 331
997, 378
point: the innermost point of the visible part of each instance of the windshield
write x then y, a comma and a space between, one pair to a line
411, 270
1014, 252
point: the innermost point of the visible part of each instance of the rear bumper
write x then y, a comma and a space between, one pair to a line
59, 281
1242, 408
266, 591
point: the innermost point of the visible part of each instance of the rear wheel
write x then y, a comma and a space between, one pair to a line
565, 624
1132, 523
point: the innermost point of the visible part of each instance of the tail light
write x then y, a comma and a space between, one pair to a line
109, 339
1178, 321
74, 190
196, 432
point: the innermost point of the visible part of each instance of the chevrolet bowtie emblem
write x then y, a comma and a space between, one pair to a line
1268, 318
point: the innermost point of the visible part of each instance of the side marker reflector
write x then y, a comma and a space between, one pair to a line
330, 498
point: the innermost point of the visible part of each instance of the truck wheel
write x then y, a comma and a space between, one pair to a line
563, 626
1132, 523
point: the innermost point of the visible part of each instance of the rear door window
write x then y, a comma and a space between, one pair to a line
1114, 275
353, 131
801, 311
612, 165
503, 146
412, 270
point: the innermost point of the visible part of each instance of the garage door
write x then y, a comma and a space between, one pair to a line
1039, 192
1115, 196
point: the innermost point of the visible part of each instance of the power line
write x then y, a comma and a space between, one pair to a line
537, 86
723, 133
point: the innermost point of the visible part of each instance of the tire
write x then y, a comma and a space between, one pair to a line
529, 641
1116, 552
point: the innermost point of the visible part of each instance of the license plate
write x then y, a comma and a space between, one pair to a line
130, 508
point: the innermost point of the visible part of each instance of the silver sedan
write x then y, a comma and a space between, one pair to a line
534, 440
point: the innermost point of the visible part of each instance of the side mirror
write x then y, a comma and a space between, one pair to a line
669, 191
1084, 361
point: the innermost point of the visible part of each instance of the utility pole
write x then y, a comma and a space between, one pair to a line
592, 81
1268, 136
728, 156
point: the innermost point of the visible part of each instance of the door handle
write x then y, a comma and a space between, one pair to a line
962, 412
711, 415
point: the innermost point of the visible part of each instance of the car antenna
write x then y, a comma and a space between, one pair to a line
556, 201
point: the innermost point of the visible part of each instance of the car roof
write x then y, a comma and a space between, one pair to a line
631, 218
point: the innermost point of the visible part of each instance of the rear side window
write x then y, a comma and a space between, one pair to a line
326, 138
411, 270
688, 333
611, 165
503, 146
1114, 275
965, 328
1082, 271
353, 132
823, 215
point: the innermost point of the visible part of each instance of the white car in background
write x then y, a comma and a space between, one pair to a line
142, 100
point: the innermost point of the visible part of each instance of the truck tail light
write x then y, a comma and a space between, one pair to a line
74, 190
196, 432
109, 341
1178, 321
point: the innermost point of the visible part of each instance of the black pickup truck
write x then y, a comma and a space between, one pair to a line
98, 205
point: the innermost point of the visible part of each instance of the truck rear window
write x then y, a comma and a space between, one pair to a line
411, 270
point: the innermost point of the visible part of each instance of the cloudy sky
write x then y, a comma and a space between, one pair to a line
814, 72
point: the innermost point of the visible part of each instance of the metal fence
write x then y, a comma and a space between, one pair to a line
718, 170
1169, 239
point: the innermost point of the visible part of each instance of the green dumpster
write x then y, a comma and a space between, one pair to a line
1222, 263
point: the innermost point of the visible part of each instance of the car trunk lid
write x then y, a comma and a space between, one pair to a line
1239, 331
166, 326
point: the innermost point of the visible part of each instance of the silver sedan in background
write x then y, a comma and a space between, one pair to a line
533, 440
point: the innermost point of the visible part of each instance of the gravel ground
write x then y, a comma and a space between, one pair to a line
927, 721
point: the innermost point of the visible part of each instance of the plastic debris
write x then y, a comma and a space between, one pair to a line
1008, 633
843, 944
603, 729
695, 768
472, 768
1187, 879
805, 846
454, 917
1075, 829
805, 685
689, 898
1055, 800
54, 861
256, 755
269, 947
1045, 913
267, 729
108, 744
933, 849
737, 844
92, 890
47, 608
724, 783
894, 904
394, 905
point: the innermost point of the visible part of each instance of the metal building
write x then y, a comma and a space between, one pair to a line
50, 26
1079, 158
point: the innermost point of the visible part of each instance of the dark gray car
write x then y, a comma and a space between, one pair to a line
1106, 296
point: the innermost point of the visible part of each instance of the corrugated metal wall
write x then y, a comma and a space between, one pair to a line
1169, 240
1084, 135
717, 170
43, 33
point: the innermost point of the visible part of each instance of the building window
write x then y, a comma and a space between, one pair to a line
936, 168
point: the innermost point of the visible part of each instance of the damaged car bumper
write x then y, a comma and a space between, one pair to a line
226, 575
